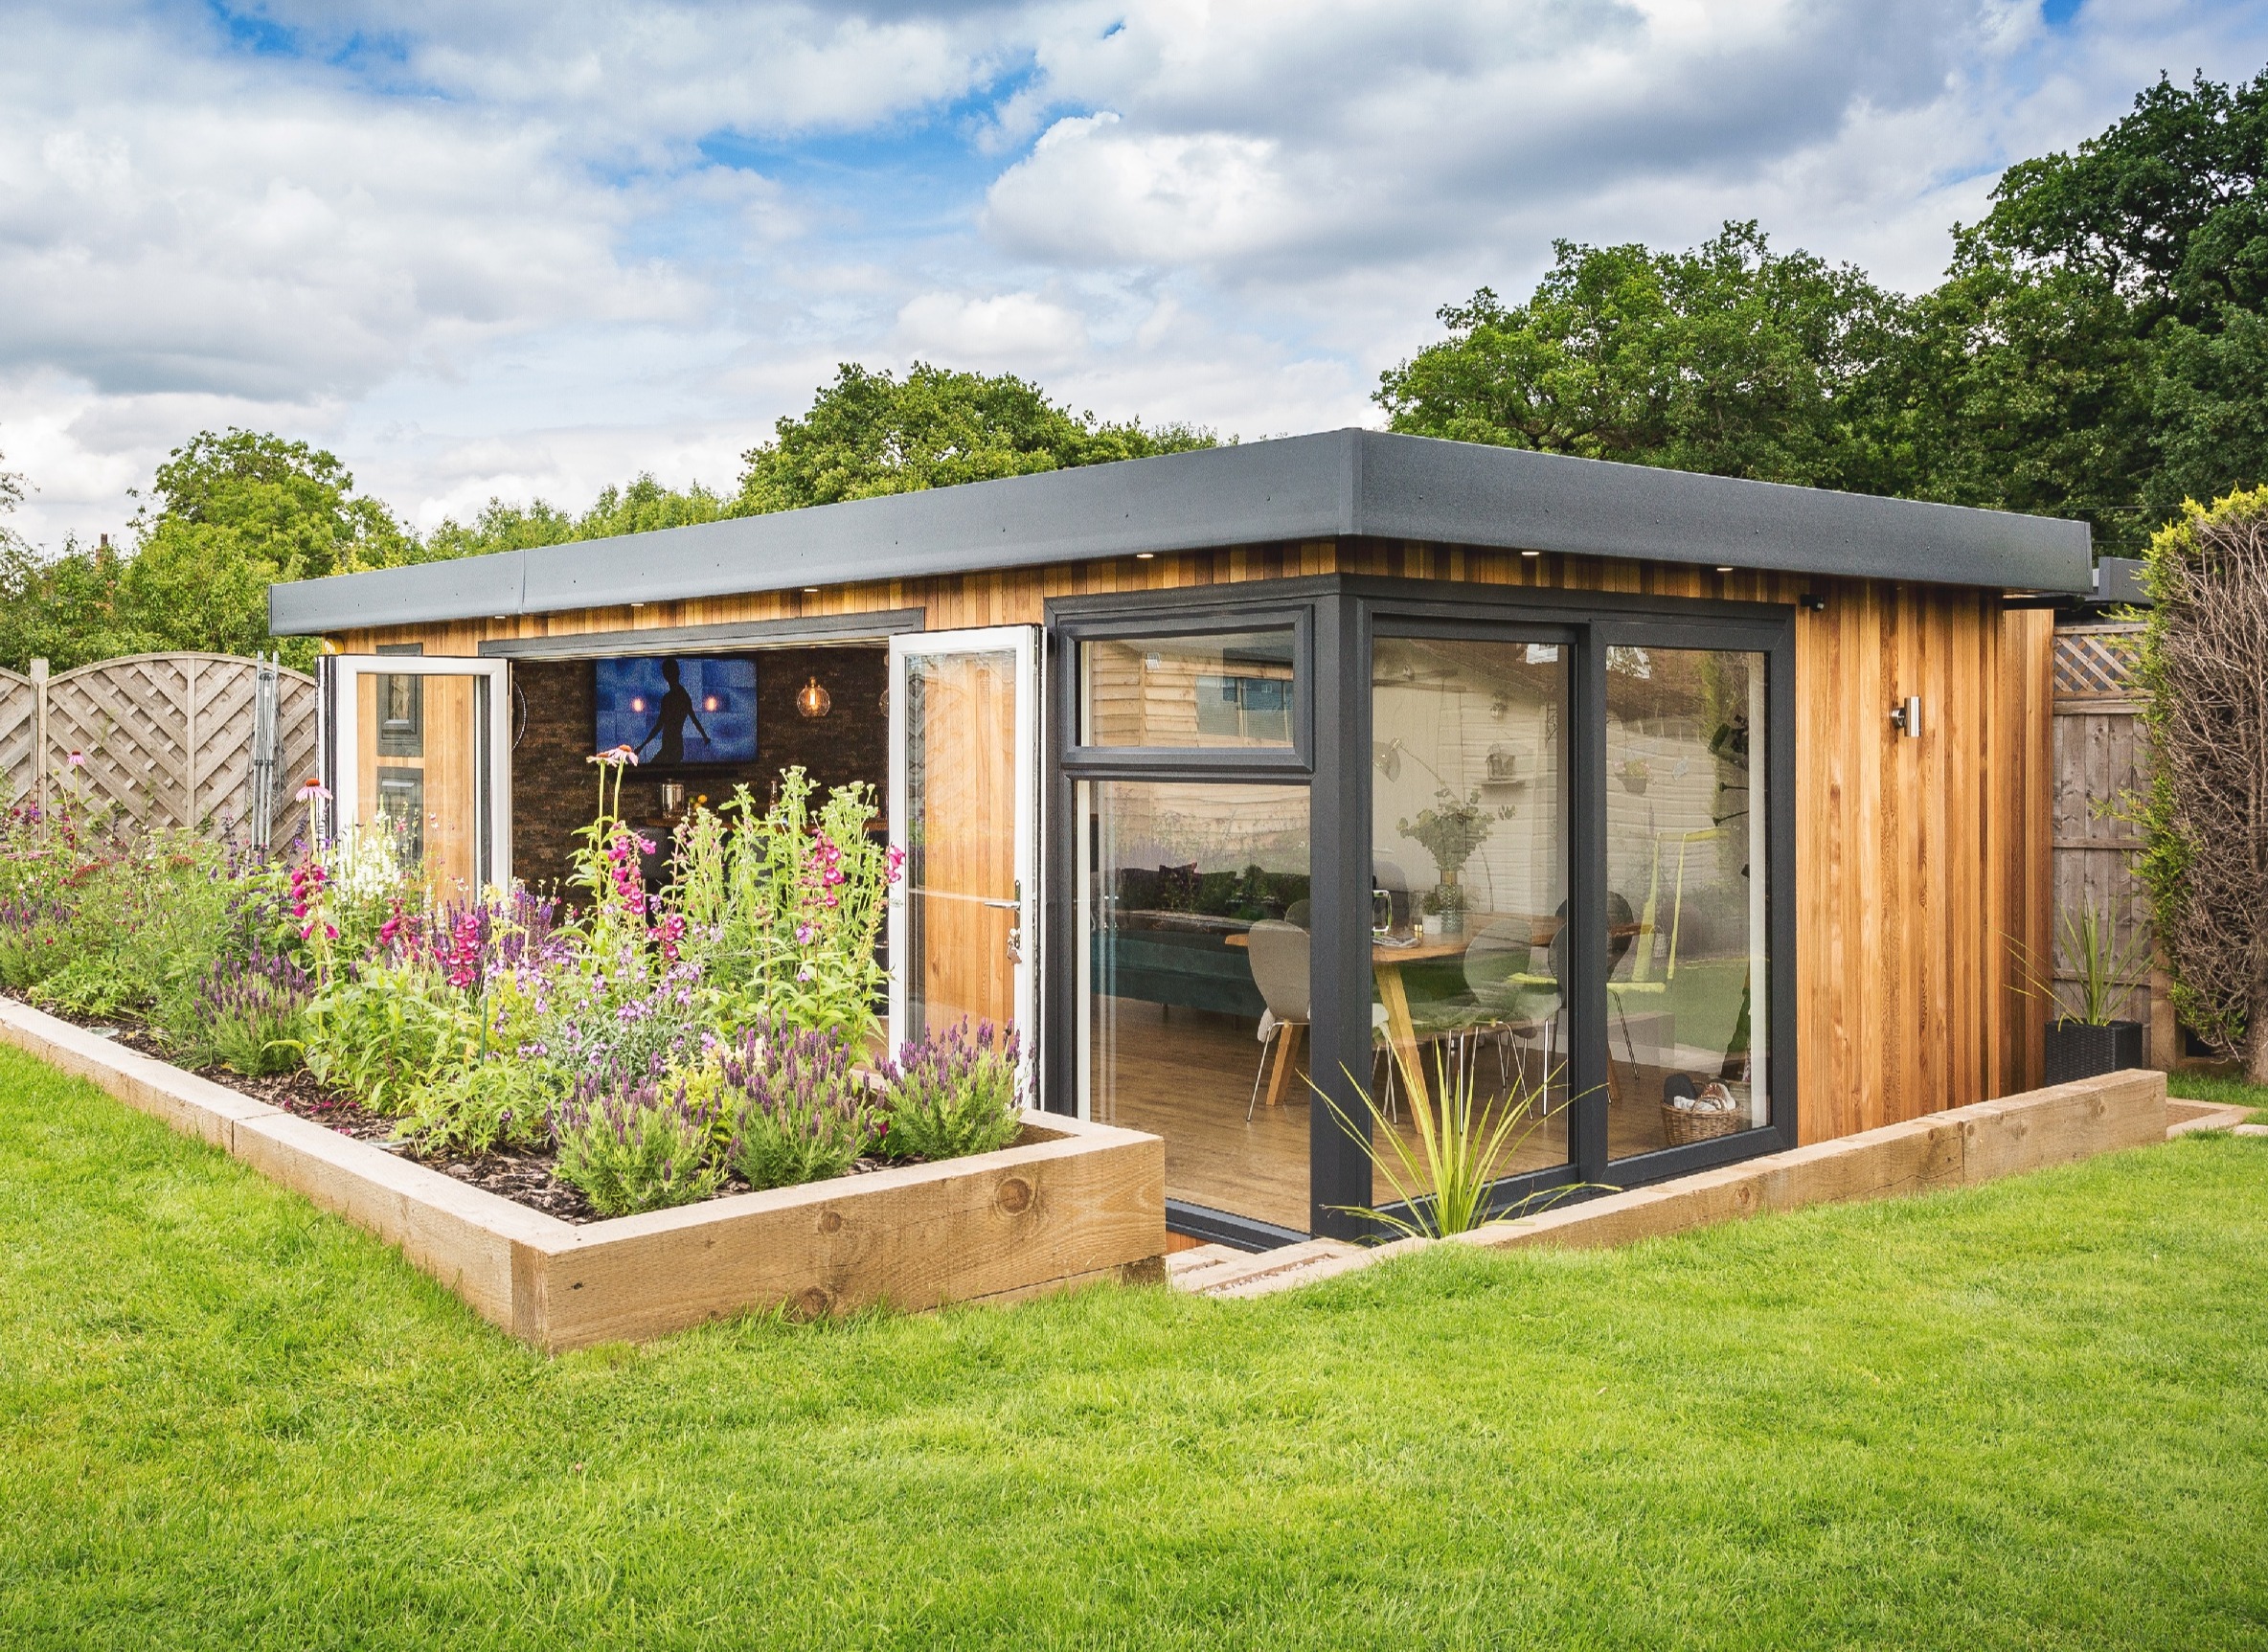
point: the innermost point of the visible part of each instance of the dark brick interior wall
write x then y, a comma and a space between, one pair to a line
554, 787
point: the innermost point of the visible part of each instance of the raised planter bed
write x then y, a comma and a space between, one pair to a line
1070, 1203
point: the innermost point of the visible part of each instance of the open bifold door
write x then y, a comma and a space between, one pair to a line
964, 809
419, 749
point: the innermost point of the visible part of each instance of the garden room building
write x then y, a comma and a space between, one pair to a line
1709, 815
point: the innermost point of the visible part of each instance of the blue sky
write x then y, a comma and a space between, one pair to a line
531, 248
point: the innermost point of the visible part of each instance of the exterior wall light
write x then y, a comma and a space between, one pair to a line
813, 700
1906, 717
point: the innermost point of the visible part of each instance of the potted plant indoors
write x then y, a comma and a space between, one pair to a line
2087, 1037
1451, 832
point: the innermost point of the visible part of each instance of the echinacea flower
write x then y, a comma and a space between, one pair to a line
312, 791
78, 760
614, 757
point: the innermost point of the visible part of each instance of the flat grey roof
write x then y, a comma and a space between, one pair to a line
1340, 484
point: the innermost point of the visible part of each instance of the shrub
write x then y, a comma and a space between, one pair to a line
798, 1112
384, 1029
34, 939
2205, 818
476, 1106
954, 1094
251, 1017
636, 1145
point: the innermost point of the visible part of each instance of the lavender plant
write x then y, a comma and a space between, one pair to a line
251, 1016
636, 1145
954, 1094
798, 1111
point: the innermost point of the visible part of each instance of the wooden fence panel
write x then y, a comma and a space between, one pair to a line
167, 739
2102, 758
19, 722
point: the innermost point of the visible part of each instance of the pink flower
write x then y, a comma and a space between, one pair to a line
312, 791
804, 932
78, 760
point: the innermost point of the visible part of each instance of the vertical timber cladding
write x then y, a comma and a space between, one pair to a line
1920, 864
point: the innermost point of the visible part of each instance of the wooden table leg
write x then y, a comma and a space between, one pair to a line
1401, 1032
1287, 1043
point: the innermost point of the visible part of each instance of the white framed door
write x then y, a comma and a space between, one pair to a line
964, 812
420, 746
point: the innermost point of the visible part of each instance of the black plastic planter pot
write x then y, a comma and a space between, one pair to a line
2079, 1049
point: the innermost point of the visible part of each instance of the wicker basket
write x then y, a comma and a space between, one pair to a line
1683, 1125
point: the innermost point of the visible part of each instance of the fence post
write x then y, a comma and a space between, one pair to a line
39, 733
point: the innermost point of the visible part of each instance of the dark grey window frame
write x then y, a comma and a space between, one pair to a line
1337, 620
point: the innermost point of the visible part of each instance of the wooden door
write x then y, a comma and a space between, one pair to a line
417, 753
962, 792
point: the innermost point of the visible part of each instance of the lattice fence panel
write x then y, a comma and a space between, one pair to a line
2095, 662
169, 738
19, 721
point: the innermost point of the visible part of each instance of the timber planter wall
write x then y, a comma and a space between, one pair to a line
1072, 1203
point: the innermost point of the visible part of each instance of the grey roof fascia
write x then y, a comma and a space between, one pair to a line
1461, 493
1335, 484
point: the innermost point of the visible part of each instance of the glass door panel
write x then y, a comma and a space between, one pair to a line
962, 784
1469, 882
1194, 984
1686, 875
418, 759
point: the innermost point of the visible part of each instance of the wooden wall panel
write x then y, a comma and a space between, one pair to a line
1918, 861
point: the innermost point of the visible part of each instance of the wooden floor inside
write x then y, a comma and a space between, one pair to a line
1188, 1074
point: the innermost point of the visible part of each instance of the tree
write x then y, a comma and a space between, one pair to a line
1729, 359
235, 513
2205, 818
869, 433
2161, 214
2018, 389
641, 507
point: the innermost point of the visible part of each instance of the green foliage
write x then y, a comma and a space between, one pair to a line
631, 1146
1467, 1143
954, 1093
641, 507
781, 908
870, 433
1729, 359
2098, 348
229, 513
795, 1109
2204, 818
2105, 971
471, 1107
384, 1030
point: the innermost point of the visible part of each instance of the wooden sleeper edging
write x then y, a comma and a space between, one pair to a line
1071, 1204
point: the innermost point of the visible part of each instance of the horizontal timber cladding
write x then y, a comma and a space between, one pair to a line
1921, 864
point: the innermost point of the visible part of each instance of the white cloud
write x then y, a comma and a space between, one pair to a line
534, 247
1020, 328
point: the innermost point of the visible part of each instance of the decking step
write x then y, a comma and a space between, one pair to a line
2184, 1116
1216, 1271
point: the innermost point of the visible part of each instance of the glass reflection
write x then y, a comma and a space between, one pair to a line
1469, 831
1686, 879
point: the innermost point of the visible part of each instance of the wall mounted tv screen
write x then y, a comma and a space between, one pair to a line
678, 711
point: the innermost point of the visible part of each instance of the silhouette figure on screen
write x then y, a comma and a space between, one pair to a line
670, 717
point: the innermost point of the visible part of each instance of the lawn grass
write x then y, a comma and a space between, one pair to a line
2194, 1086
2022, 1416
